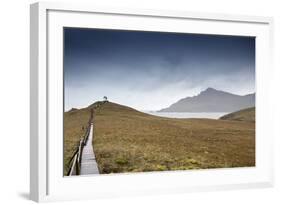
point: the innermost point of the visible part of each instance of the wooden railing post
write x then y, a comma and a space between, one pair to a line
77, 167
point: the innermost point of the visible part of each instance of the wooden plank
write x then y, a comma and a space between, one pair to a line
88, 162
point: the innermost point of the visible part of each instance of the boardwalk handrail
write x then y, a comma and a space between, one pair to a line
76, 158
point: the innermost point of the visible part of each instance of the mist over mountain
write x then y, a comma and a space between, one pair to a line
212, 100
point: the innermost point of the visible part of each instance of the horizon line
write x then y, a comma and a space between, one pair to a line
82, 107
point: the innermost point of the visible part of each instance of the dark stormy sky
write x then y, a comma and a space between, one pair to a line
151, 70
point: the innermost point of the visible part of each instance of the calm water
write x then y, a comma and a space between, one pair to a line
210, 115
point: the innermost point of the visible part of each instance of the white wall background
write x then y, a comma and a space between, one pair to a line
14, 101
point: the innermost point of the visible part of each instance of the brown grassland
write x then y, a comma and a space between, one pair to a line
126, 140
248, 114
75, 123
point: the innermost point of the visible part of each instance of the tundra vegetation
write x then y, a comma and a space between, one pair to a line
126, 140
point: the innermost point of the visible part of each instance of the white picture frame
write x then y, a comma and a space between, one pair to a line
46, 179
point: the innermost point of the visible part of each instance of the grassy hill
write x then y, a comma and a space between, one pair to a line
241, 115
126, 140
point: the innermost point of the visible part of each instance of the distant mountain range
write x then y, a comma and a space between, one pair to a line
212, 100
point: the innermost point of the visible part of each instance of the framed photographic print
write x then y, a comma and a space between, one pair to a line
128, 101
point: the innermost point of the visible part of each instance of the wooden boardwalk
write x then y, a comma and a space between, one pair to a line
88, 158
